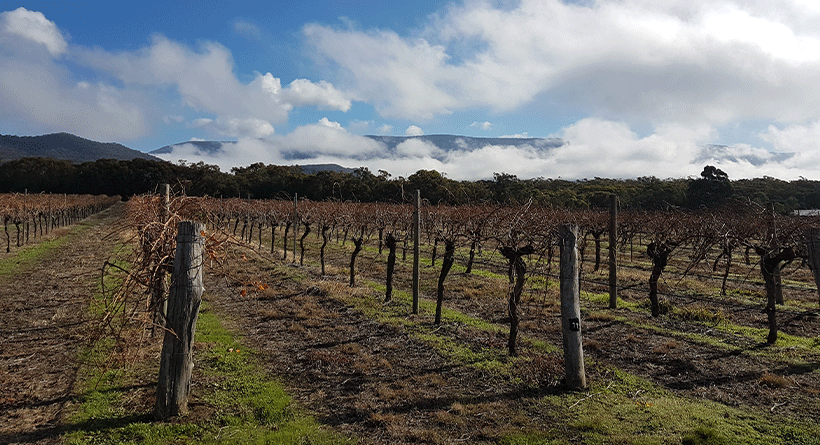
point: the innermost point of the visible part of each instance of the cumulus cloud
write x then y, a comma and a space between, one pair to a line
206, 80
34, 26
302, 92
486, 126
39, 90
413, 131
639, 61
236, 127
42, 95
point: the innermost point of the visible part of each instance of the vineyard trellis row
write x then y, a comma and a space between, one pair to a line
517, 240
33, 213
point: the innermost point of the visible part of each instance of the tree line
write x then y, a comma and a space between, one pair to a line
261, 181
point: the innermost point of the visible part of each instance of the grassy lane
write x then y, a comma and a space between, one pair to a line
233, 401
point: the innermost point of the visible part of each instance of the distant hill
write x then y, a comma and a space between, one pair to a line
444, 142
204, 147
311, 169
449, 142
67, 147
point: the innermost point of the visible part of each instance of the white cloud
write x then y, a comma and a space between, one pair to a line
236, 127
486, 126
302, 92
42, 96
327, 138
417, 148
385, 129
400, 77
801, 140
245, 28
205, 79
330, 124
636, 60
242, 153
36, 27
594, 148
413, 131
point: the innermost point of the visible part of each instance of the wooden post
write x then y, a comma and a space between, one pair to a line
160, 285
295, 223
166, 202
416, 230
176, 363
613, 241
813, 242
571, 309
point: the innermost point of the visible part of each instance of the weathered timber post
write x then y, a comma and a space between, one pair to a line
159, 286
813, 242
176, 362
416, 230
571, 309
613, 241
295, 223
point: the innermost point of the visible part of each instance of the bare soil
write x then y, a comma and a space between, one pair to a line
379, 382
43, 307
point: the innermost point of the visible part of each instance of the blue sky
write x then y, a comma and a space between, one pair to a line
634, 87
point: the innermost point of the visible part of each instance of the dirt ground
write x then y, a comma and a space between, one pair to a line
378, 382
374, 381
42, 308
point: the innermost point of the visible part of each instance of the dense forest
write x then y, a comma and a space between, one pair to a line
128, 178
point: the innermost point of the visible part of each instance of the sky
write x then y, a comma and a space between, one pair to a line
633, 87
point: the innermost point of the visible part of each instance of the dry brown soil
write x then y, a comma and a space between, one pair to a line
379, 382
43, 307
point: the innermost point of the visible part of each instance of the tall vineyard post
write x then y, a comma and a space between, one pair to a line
613, 241
176, 361
295, 223
416, 230
159, 282
813, 241
571, 309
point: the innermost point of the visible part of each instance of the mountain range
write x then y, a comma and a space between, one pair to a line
449, 142
67, 147
444, 142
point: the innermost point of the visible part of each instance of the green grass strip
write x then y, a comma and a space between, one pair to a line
625, 409
26, 257
784, 341
245, 405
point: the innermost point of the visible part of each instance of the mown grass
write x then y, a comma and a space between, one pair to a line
28, 256
624, 409
620, 408
242, 404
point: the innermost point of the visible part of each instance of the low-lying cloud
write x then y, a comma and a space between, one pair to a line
591, 148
